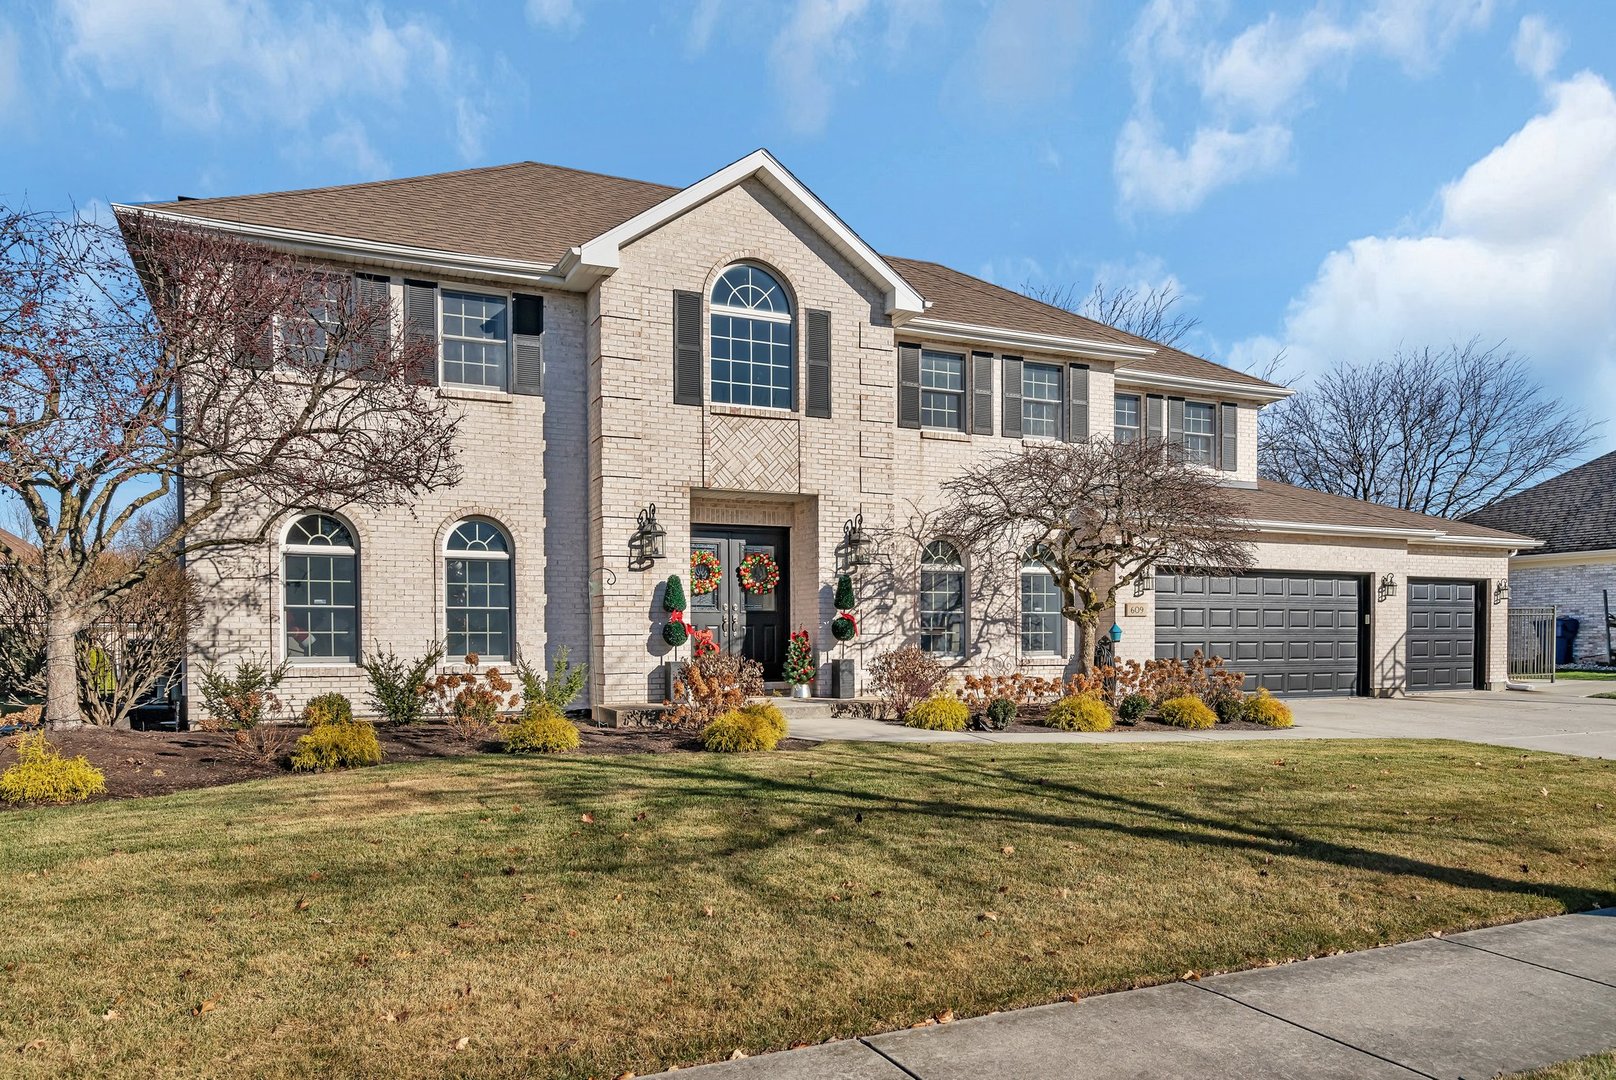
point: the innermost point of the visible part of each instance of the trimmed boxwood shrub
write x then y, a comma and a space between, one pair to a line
1229, 707
938, 713
1000, 715
1133, 708
327, 709
1187, 712
42, 775
541, 730
1265, 709
1080, 712
337, 745
742, 731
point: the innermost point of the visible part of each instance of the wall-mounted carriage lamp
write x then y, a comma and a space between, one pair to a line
1145, 582
1501, 591
1388, 587
855, 549
649, 542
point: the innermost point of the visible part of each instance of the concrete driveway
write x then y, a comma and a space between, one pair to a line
1560, 718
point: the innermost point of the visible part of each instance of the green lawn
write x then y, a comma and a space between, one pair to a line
314, 926
1603, 676
1597, 1067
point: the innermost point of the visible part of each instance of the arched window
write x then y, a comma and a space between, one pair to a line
1041, 621
320, 582
942, 600
477, 597
751, 340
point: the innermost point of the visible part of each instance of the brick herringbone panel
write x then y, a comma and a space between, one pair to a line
745, 453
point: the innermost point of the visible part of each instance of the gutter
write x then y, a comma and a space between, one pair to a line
1021, 339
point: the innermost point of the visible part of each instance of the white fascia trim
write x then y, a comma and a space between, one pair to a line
1383, 532
326, 244
1022, 340
602, 255
1133, 378
1596, 557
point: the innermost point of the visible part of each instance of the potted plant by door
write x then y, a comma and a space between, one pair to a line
800, 665
675, 631
844, 628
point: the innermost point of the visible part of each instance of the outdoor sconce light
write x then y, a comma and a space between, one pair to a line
1388, 587
1145, 582
855, 546
1116, 633
648, 544
1501, 591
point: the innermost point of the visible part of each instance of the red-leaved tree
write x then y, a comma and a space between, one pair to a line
156, 362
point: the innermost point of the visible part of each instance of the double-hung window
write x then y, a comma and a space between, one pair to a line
1129, 425
942, 600
1200, 431
942, 390
1041, 620
475, 339
1041, 400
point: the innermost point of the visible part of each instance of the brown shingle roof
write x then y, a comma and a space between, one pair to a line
534, 213
1575, 511
1271, 501
10, 542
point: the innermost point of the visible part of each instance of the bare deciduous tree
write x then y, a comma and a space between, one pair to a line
1097, 515
133, 364
1436, 431
1151, 313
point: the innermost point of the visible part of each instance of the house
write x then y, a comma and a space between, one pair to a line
1574, 515
732, 359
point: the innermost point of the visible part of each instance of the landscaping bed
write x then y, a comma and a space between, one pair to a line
575, 916
143, 763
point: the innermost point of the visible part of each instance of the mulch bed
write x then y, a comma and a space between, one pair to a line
142, 763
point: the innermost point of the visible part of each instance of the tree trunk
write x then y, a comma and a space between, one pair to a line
61, 666
1087, 643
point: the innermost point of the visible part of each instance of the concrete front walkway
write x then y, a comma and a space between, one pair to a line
1472, 1005
1562, 719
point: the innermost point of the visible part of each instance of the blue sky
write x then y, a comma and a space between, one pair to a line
1332, 179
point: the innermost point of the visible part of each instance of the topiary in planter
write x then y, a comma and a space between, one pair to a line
1265, 709
1187, 712
1080, 712
844, 599
938, 714
675, 633
843, 628
673, 596
1000, 715
1133, 708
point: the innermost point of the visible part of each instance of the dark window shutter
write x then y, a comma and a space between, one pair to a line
1010, 411
687, 365
527, 343
909, 386
817, 348
375, 299
1077, 403
1155, 417
421, 324
1175, 426
981, 393
1229, 433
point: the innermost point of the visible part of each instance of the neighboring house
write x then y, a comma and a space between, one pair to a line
734, 354
12, 545
1574, 515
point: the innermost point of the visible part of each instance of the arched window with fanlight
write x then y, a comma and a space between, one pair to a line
477, 596
942, 600
752, 359
320, 591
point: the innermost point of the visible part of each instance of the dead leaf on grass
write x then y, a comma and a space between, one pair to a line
1009, 849
707, 910
302, 904
462, 1042
738, 1054
206, 1007
990, 916
588, 819
36, 1044
945, 1017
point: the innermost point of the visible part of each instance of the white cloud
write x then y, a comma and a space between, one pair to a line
1251, 87
212, 65
811, 55
554, 14
1537, 48
702, 21
1524, 251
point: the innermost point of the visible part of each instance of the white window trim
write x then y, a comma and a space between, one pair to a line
507, 555
1061, 380
732, 311
1137, 429
964, 427
284, 549
1211, 461
476, 290
962, 569
1060, 620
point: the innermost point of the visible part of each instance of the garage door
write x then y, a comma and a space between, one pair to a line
1292, 633
1441, 635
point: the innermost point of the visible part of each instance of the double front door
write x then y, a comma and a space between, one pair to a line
750, 623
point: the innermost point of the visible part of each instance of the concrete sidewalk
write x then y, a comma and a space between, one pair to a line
1563, 719
1472, 1005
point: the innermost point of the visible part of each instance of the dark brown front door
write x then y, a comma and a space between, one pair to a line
754, 626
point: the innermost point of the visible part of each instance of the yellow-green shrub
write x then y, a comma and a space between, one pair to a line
1265, 709
938, 713
42, 775
337, 745
741, 731
1080, 712
1187, 712
768, 714
330, 708
540, 729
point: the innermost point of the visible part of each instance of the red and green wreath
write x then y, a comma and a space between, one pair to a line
705, 571
758, 573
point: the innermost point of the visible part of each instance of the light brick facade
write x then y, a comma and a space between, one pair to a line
1575, 583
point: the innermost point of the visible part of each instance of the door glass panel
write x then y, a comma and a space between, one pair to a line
708, 601
754, 602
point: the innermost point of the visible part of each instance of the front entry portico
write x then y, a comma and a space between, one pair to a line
754, 625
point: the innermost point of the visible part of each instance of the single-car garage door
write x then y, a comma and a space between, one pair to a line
1442, 629
1292, 633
